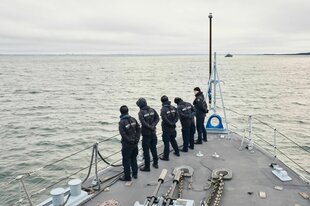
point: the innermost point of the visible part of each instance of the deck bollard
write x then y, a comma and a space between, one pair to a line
58, 196
75, 187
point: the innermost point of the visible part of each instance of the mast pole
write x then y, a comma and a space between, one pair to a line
210, 59
210, 45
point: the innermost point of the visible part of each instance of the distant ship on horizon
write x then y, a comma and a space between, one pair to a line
228, 55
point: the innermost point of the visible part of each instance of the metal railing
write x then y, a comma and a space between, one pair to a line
35, 191
274, 143
251, 143
95, 153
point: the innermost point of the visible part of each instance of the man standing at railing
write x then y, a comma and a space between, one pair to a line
129, 129
169, 116
186, 113
201, 110
149, 119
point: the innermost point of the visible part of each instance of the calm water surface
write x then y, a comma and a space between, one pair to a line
52, 106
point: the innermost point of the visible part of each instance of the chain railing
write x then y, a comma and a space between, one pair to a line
37, 191
251, 138
33, 192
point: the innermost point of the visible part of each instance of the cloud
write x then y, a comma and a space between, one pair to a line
153, 26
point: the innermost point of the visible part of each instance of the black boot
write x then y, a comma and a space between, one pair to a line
198, 142
164, 158
177, 154
123, 178
144, 169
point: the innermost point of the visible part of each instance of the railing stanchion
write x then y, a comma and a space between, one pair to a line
275, 143
241, 145
20, 178
96, 165
251, 143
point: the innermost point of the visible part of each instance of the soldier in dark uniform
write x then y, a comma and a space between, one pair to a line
129, 129
186, 113
201, 110
169, 116
149, 119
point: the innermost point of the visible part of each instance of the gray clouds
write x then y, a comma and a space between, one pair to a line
153, 26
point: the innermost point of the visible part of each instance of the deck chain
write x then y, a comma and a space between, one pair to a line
181, 186
213, 186
167, 193
216, 193
219, 191
110, 203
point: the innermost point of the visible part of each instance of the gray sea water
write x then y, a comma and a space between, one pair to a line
52, 106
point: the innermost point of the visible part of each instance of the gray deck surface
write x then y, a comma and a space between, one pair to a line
251, 173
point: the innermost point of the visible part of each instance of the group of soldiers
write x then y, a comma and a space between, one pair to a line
130, 131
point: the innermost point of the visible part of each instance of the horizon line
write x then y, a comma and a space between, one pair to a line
139, 54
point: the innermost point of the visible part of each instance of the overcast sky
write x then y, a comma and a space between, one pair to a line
154, 26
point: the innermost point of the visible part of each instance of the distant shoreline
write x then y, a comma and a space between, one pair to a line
305, 53
141, 54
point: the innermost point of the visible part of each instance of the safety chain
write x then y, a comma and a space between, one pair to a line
216, 193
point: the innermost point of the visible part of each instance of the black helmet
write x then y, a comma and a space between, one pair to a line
177, 100
123, 109
197, 89
164, 99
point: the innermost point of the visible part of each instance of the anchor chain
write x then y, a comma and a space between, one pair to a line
216, 193
181, 186
213, 186
167, 193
